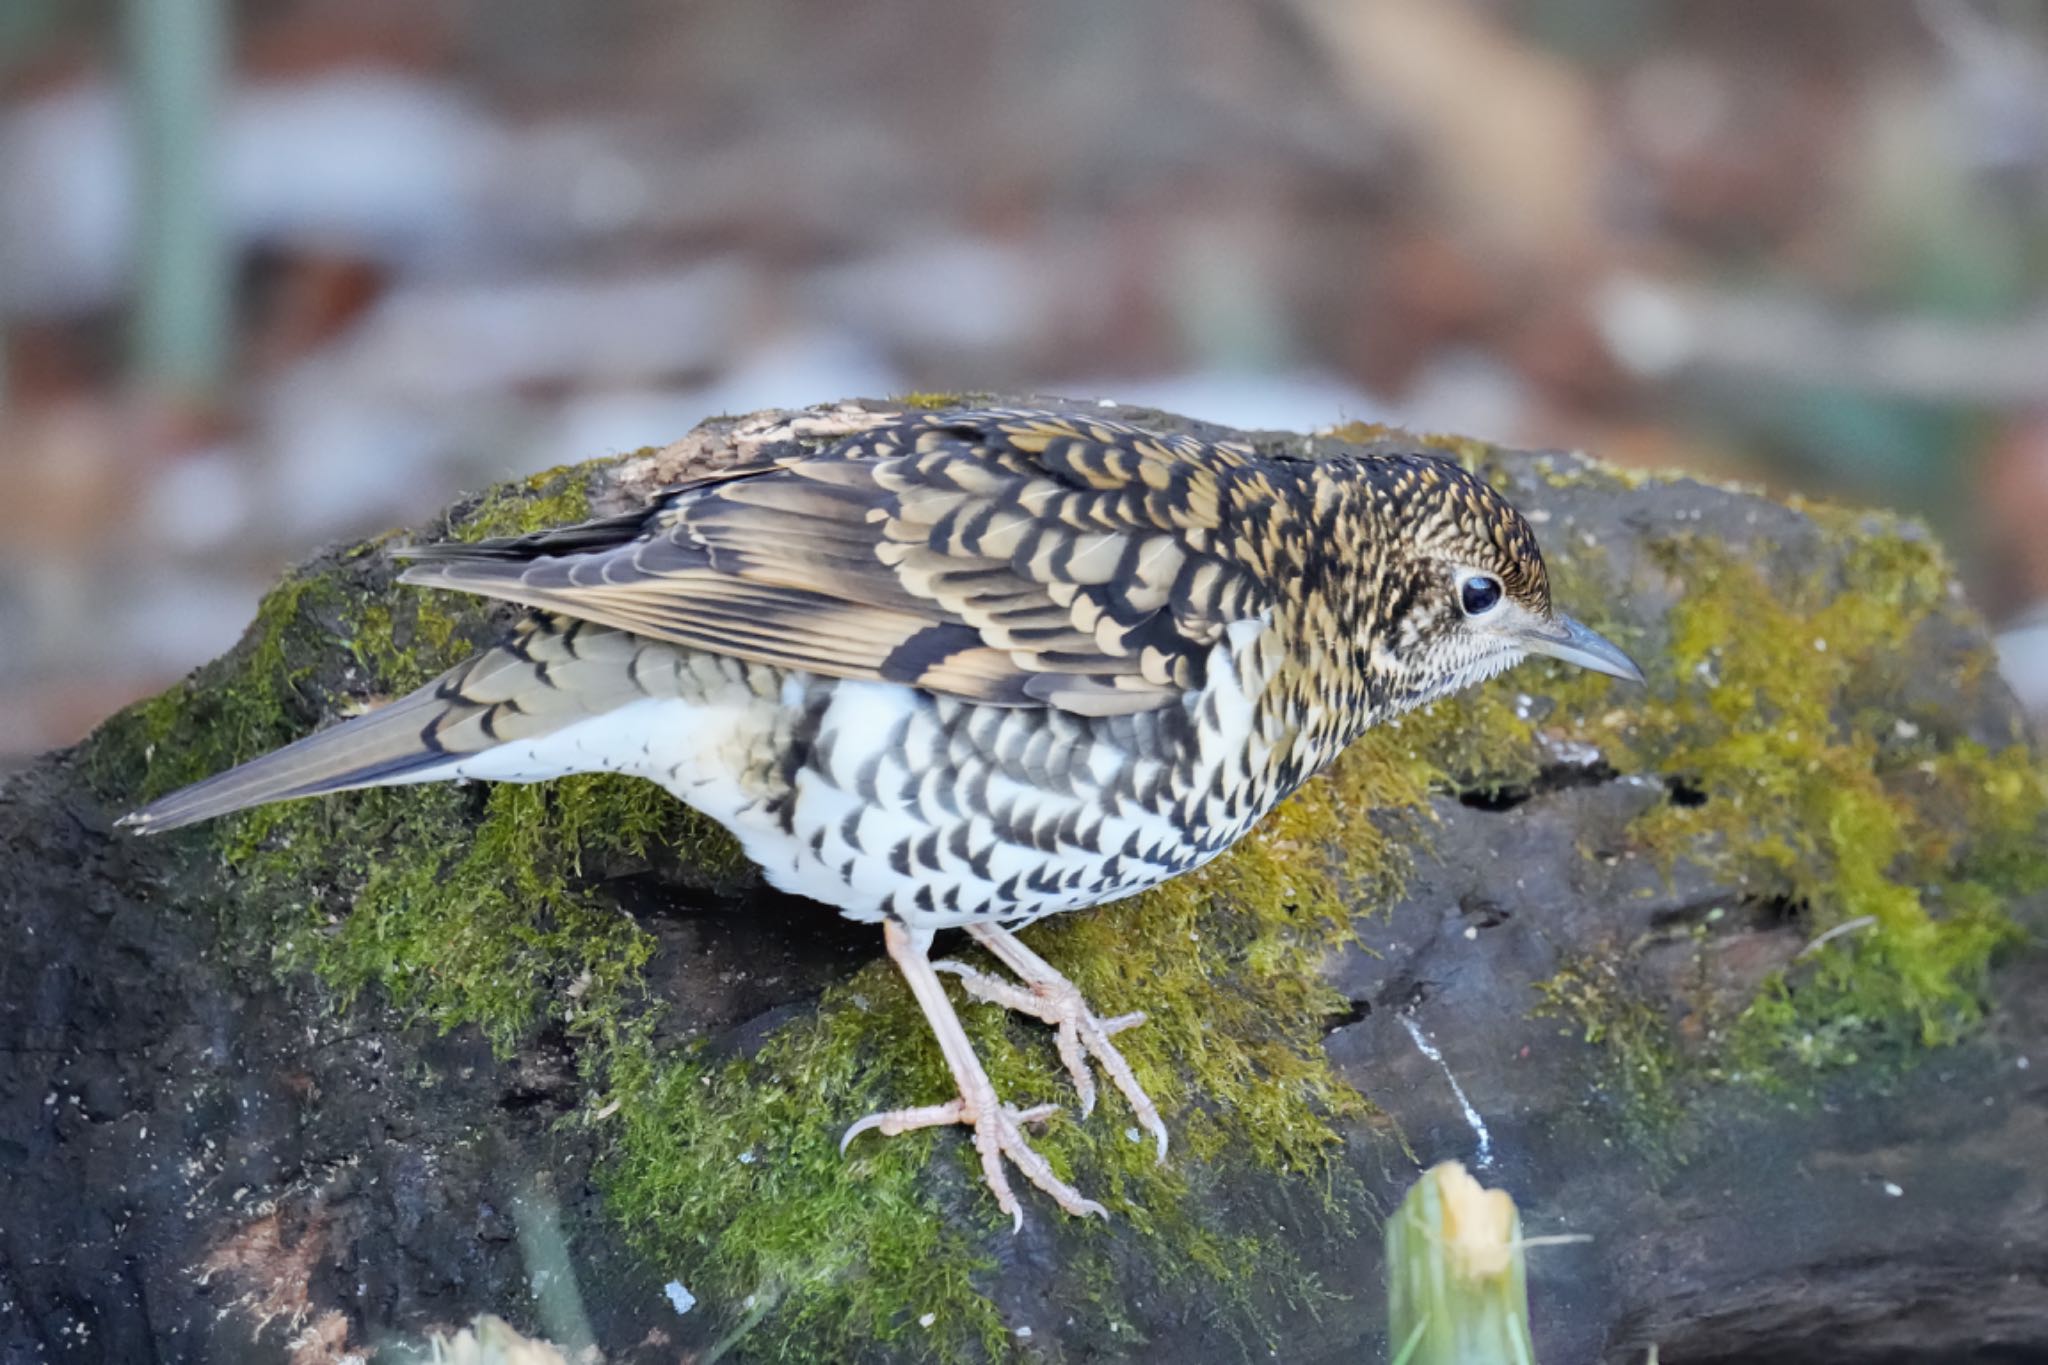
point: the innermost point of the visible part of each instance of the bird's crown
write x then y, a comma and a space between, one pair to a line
1434, 509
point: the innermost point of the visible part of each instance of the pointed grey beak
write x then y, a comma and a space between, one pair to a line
1564, 638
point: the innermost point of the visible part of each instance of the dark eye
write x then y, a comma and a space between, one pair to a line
1479, 594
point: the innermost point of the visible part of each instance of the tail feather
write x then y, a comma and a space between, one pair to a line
548, 674
384, 747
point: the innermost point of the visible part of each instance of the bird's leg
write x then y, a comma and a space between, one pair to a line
1048, 995
998, 1128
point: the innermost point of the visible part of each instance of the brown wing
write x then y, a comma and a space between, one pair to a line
1014, 558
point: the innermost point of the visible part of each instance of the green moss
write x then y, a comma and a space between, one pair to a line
553, 497
931, 402
1824, 782
1644, 1060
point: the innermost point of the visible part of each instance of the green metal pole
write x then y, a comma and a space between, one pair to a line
178, 61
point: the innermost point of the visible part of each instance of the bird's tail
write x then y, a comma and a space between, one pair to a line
548, 674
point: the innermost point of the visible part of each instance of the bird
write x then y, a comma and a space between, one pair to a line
968, 669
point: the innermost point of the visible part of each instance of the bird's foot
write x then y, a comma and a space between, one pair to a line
998, 1133
1079, 1032
998, 1129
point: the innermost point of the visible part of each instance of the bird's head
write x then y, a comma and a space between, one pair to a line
1464, 593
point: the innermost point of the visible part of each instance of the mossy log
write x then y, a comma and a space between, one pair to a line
1739, 975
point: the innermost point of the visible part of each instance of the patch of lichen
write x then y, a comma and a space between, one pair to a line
1643, 1059
931, 402
1821, 778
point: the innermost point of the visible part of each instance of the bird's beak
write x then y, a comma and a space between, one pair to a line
1563, 638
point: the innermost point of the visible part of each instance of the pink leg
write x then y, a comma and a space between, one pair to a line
1048, 995
998, 1131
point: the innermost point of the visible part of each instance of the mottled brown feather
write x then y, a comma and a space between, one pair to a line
1019, 559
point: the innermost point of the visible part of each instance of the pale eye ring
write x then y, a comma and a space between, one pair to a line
1479, 594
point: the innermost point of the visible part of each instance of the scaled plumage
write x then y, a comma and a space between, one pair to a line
969, 668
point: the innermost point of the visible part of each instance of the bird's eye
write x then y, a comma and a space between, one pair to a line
1479, 594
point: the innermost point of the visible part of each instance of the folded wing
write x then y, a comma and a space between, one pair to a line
1018, 559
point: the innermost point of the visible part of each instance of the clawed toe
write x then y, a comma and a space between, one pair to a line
998, 1135
896, 1122
1122, 1022
1080, 1036
998, 1128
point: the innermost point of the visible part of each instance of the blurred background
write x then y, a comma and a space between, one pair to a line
275, 273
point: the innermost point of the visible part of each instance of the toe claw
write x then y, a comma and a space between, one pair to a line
1083, 1039
1084, 1048
892, 1122
998, 1128
998, 1134
855, 1129
1075, 1058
